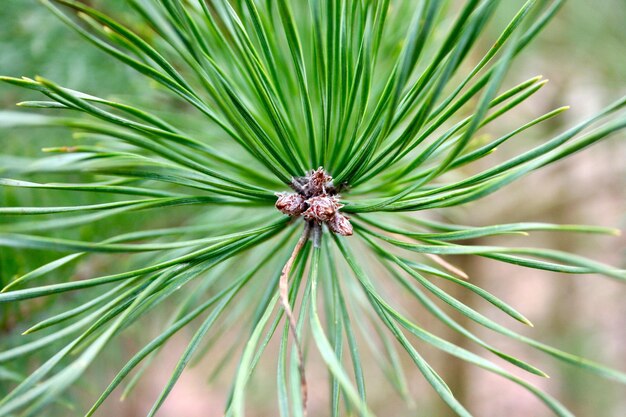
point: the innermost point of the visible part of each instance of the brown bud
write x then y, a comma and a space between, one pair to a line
340, 225
319, 180
290, 203
321, 208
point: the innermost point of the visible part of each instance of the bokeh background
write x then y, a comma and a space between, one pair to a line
583, 53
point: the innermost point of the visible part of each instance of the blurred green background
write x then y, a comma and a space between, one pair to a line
583, 53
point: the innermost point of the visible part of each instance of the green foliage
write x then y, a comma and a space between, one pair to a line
253, 93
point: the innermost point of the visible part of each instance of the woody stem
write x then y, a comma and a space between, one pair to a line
283, 286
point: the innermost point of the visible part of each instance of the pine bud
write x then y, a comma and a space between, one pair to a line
321, 208
319, 180
340, 225
291, 204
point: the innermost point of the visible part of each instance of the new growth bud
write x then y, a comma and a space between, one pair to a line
340, 225
316, 199
321, 208
318, 182
291, 204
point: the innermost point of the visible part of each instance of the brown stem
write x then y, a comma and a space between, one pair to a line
283, 287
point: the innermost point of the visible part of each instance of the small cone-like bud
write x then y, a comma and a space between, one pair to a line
291, 204
319, 180
321, 208
316, 200
340, 225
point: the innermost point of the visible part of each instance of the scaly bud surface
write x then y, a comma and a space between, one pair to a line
316, 200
